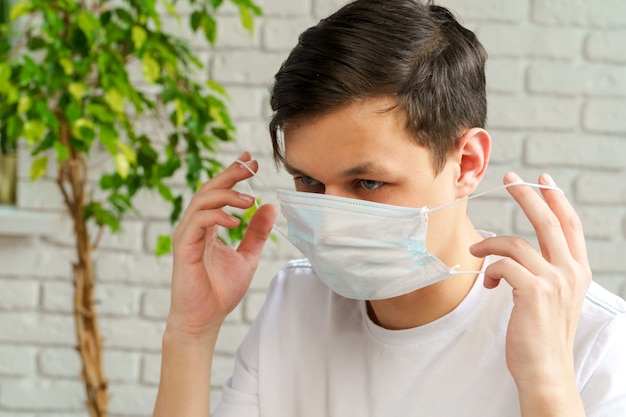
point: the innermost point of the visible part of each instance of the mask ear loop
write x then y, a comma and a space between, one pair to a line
453, 270
502, 187
256, 202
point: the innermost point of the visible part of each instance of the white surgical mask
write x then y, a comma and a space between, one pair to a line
365, 250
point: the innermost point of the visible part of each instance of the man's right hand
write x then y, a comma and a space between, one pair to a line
209, 278
208, 281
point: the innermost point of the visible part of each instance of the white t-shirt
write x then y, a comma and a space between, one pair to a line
314, 353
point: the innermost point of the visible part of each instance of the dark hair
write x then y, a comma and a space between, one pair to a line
415, 52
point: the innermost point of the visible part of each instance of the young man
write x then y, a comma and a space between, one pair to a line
379, 116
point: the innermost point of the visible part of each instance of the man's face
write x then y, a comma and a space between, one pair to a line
364, 151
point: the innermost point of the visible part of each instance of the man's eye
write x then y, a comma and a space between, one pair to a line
370, 185
308, 181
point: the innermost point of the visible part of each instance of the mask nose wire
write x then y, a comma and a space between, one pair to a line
256, 202
502, 187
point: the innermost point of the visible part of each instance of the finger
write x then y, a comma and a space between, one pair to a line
199, 222
220, 198
569, 220
550, 235
512, 247
233, 174
258, 231
512, 272
216, 199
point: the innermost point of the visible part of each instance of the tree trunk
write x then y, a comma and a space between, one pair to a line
87, 330
72, 181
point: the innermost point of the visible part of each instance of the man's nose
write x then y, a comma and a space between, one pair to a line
338, 191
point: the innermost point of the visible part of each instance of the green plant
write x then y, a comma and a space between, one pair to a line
66, 91
5, 146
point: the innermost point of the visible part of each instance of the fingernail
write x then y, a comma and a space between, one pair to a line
247, 198
512, 177
246, 166
242, 155
547, 179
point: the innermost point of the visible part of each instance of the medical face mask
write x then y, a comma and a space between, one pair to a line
365, 250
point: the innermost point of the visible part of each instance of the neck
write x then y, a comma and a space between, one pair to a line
433, 302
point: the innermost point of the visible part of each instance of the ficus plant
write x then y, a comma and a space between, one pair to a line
77, 78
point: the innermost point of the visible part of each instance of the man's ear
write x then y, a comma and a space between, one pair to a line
473, 158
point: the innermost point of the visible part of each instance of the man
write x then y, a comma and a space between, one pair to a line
403, 307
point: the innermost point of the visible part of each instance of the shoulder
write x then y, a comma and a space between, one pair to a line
296, 286
295, 267
603, 318
297, 298
601, 330
603, 303
296, 275
601, 343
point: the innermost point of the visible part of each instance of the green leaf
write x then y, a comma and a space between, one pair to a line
121, 202
110, 181
247, 11
247, 20
72, 111
195, 19
45, 114
88, 24
171, 9
177, 210
215, 86
102, 216
5, 77
150, 68
216, 115
24, 104
67, 65
124, 15
115, 100
38, 168
165, 191
209, 26
15, 127
100, 112
33, 131
109, 138
139, 36
77, 90
48, 141
127, 151
180, 113
19, 9
163, 245
36, 43
83, 128
122, 165
62, 151
87, 133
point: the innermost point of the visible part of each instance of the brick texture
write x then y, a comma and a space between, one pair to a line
557, 91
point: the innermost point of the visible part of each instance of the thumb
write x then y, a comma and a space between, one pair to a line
258, 231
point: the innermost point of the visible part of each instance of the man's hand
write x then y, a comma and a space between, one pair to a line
209, 279
549, 288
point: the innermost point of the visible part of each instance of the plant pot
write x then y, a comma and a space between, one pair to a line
8, 178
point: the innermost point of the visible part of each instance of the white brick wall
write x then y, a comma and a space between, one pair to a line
557, 91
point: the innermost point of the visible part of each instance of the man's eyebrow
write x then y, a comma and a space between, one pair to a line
365, 168
293, 170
